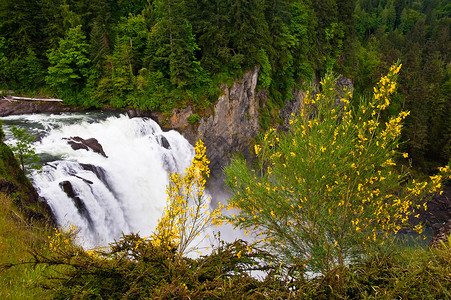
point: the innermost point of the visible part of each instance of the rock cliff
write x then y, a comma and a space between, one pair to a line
227, 128
232, 123
14, 183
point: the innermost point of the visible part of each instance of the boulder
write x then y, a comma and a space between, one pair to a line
89, 144
164, 142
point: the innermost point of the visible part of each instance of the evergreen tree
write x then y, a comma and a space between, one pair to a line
20, 26
210, 21
4, 63
248, 31
57, 17
302, 28
173, 45
100, 45
70, 66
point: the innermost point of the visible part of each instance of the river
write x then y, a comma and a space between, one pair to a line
110, 196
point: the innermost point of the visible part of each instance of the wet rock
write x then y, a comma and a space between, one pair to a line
8, 107
98, 171
93, 144
438, 210
68, 189
164, 143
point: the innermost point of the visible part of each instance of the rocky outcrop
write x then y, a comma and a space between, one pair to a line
227, 128
68, 189
438, 210
8, 187
437, 216
93, 144
292, 106
8, 107
234, 123
14, 181
441, 235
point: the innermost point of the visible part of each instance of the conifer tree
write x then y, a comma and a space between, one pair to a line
70, 65
173, 45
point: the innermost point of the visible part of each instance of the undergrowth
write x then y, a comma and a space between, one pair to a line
17, 237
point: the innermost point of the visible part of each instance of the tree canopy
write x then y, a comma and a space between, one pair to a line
159, 54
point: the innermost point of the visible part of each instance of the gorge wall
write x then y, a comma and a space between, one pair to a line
232, 123
228, 127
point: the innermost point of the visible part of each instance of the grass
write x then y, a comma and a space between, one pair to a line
412, 272
16, 238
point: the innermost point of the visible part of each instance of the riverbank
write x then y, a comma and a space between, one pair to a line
18, 107
25, 105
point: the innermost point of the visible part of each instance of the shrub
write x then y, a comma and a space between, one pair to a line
187, 214
194, 118
327, 192
23, 149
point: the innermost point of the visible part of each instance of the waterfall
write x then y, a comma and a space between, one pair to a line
104, 196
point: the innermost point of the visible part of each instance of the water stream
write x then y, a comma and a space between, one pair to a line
104, 196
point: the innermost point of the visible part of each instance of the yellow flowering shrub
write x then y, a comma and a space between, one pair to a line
187, 213
62, 240
328, 191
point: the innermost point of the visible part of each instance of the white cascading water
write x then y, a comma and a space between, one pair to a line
122, 193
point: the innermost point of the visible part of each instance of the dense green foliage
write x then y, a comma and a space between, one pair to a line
134, 268
327, 192
161, 53
143, 268
21, 229
158, 54
418, 33
23, 149
17, 236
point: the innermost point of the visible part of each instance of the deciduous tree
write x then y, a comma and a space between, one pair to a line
326, 192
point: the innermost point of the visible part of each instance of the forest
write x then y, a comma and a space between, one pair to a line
161, 54
331, 225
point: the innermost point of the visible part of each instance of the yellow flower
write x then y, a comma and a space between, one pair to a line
257, 149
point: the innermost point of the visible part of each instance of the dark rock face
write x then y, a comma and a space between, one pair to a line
67, 188
227, 128
292, 106
164, 142
28, 200
234, 124
93, 144
441, 235
8, 107
98, 171
438, 209
8, 187
437, 216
